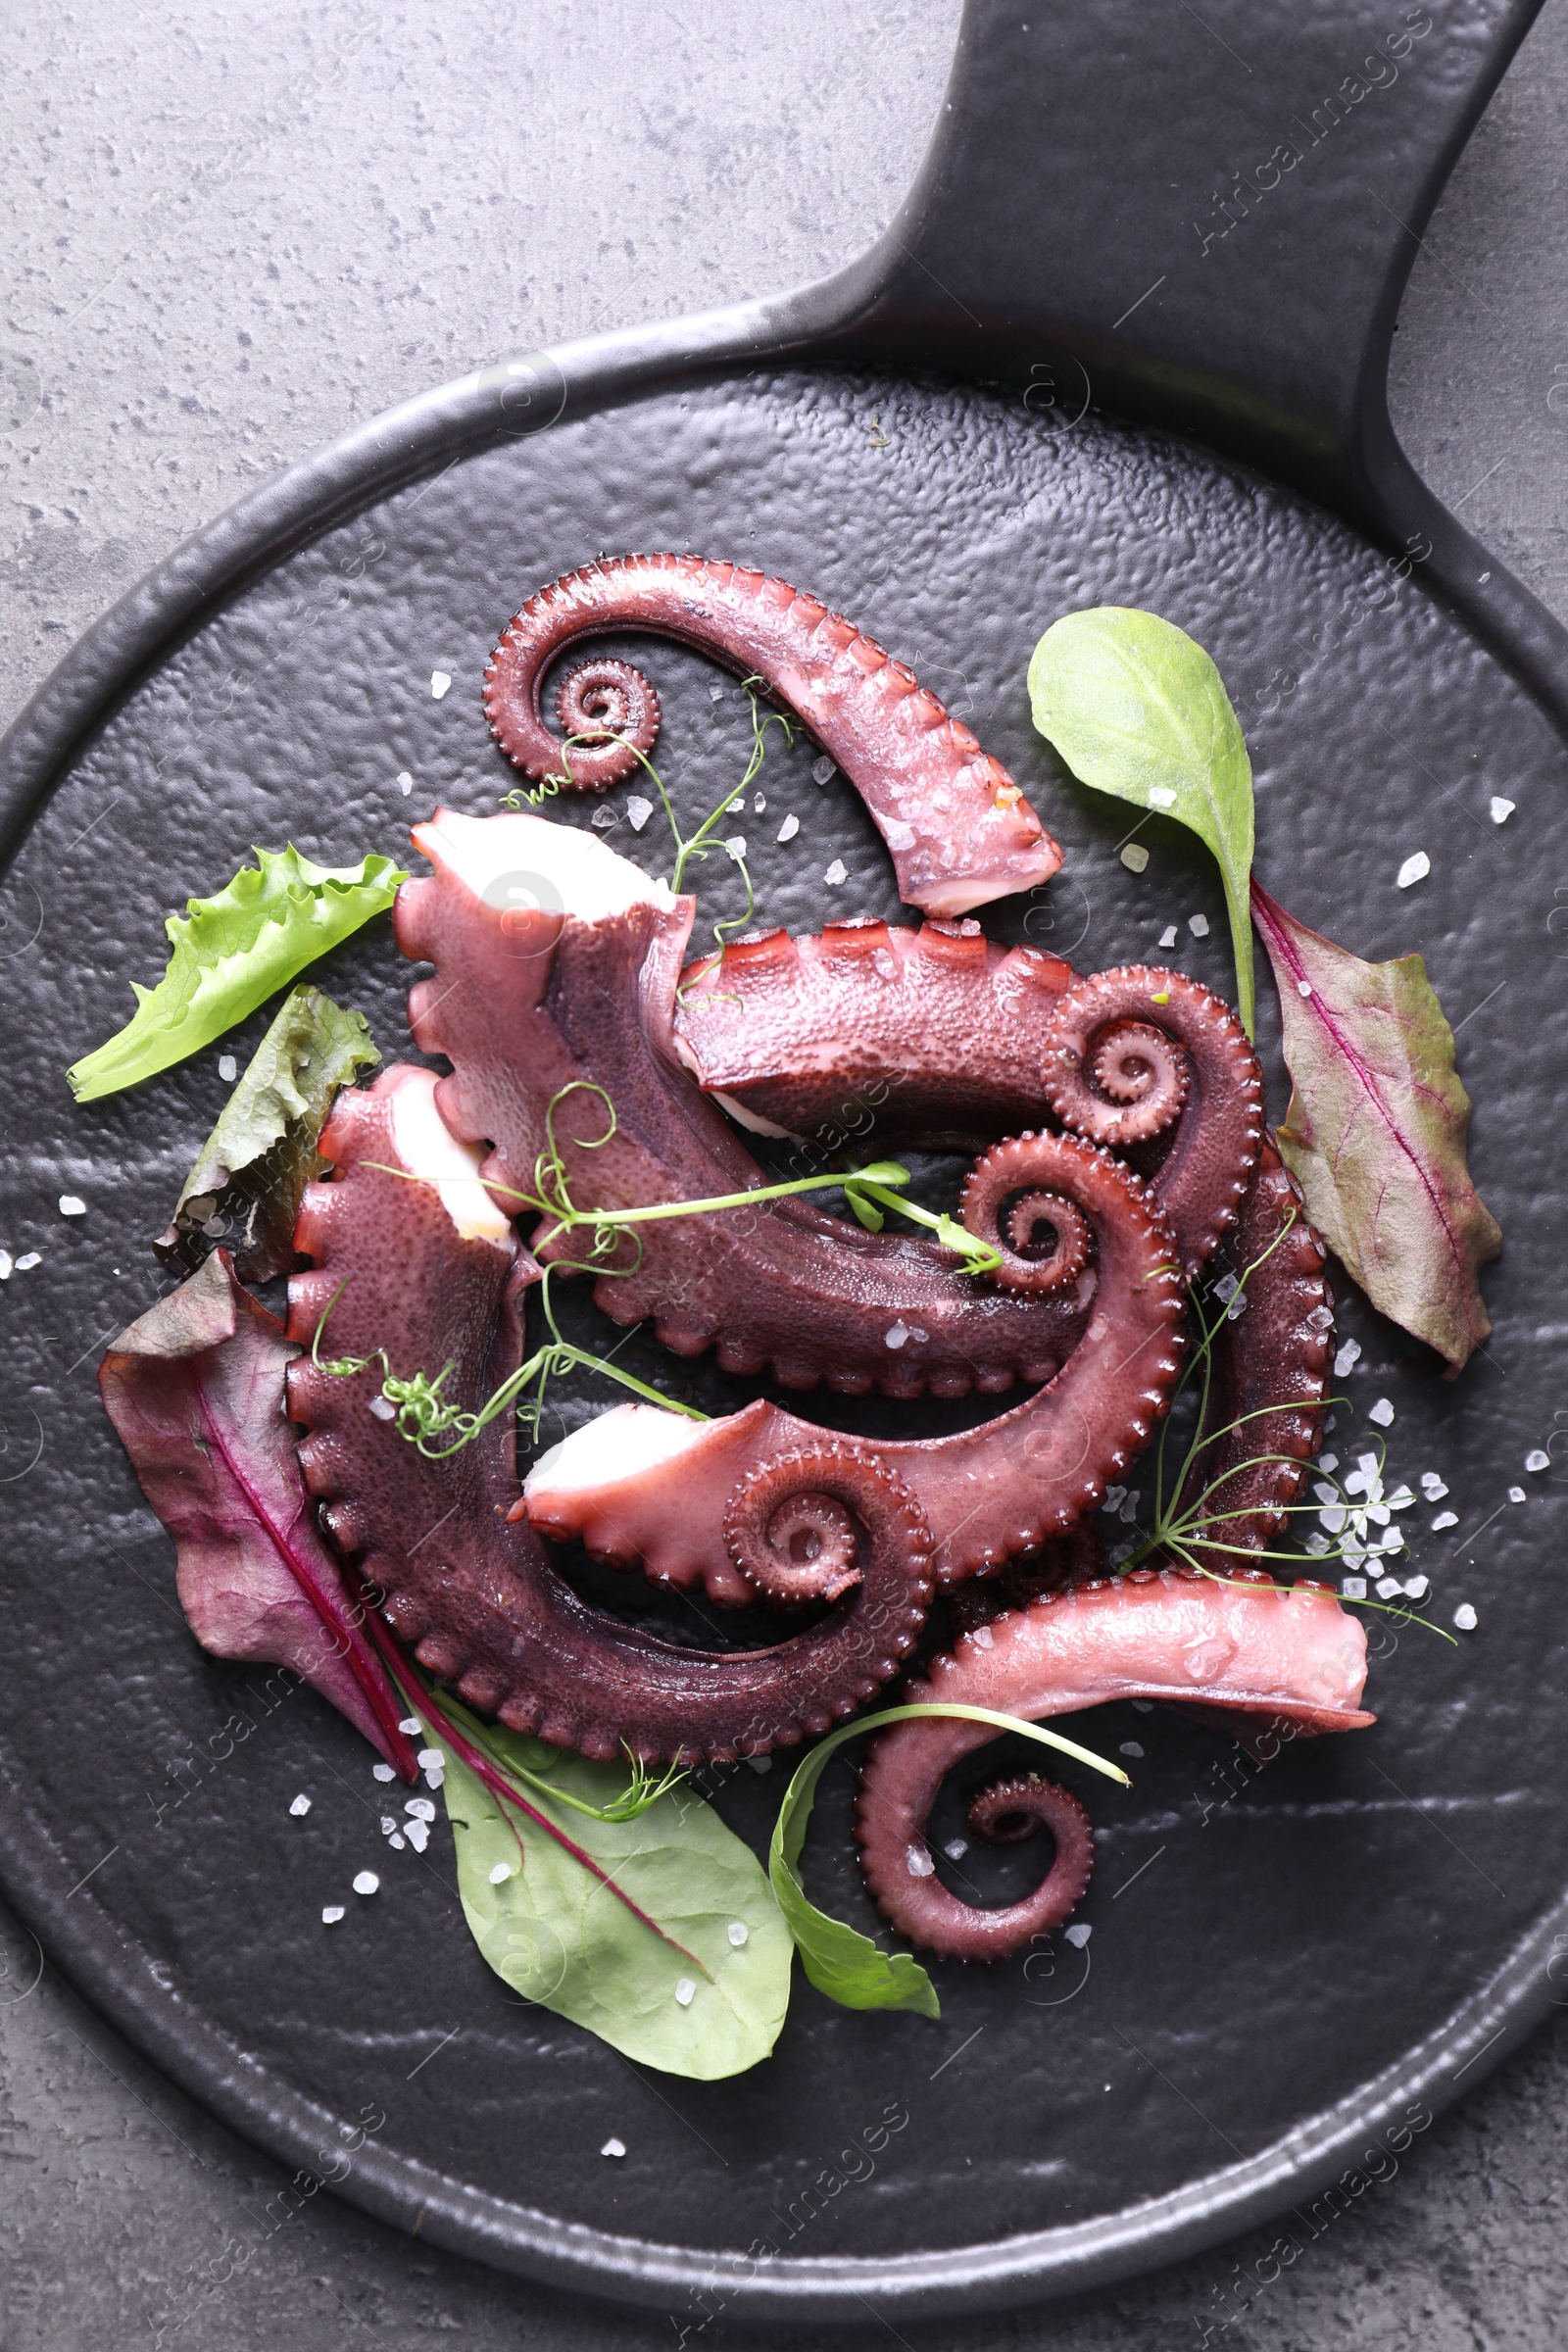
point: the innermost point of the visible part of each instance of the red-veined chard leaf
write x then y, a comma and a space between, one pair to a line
1375, 1134
195, 1389
251, 1173
660, 1933
838, 1959
1138, 710
231, 952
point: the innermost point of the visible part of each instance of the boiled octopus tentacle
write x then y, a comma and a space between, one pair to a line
1131, 1053
957, 827
1268, 1657
556, 964
429, 1272
640, 1486
1270, 1366
872, 1032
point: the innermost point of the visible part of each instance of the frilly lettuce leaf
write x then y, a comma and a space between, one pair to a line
231, 952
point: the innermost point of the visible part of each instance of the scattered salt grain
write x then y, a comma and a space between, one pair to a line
1400, 1499
1160, 796
227, 1068
418, 1833
1141, 1706
366, 1881
715, 694
389, 1824
1321, 1319
956, 1848
1388, 1586
736, 846
383, 1772
1444, 1519
638, 811
428, 1758
33, 1258
1078, 1935
1304, 988
738, 1932
1130, 1747
1349, 1357
898, 835
917, 1862
383, 1409
405, 782
1516, 1495
824, 769
1328, 1461
1324, 1491
440, 680
1415, 869
301, 1806
1317, 1543
332, 1914
499, 1873
1538, 1460
1464, 1617
737, 807
836, 873
5, 1265
421, 1808
1414, 1587
604, 818
788, 828
1198, 925
71, 1205
612, 2148
1432, 1486
896, 1335
1502, 809
396, 1840
761, 1763
411, 1725
1353, 1587
1381, 1413
759, 803
1134, 857
685, 1992
1227, 1287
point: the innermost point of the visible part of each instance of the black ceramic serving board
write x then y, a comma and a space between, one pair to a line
965, 438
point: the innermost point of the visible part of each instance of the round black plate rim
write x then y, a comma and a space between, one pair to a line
514, 399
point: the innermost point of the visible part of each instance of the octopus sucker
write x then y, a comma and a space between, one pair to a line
982, 841
1288, 1663
475, 1593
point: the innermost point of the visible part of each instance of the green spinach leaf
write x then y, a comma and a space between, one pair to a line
1137, 710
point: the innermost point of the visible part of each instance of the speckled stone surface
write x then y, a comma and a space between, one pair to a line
346, 198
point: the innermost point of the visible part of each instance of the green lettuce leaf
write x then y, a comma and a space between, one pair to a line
1375, 1134
245, 1188
231, 952
1137, 710
837, 1958
624, 1926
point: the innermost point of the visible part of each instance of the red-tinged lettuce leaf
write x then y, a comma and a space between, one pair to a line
195, 1389
1375, 1134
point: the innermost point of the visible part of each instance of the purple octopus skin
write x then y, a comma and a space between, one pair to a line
528, 998
958, 828
940, 1037
1270, 1367
1291, 1664
429, 1272
644, 1487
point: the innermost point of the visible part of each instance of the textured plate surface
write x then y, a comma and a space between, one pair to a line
1279, 1966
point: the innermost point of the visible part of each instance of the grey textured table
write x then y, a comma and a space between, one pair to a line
231, 238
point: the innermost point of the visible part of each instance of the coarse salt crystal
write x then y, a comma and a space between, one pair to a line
788, 828
383, 1409
1169, 936
685, 1992
824, 769
761, 1763
1381, 1413
366, 1881
421, 1808
1353, 1587
614, 2147
1414, 1587
898, 835
440, 680
1317, 1543
1332, 1518
956, 1848
1320, 1319
1464, 1617
1328, 1461
836, 873
388, 1825
332, 1914
418, 1833
1502, 809
434, 1776
396, 1842
1516, 1495
72, 1205
301, 1806
715, 694
227, 1068
1134, 857
1415, 869
896, 1335
1538, 1460
736, 846
5, 1265
1130, 1747
1079, 1932
1226, 1287
1444, 1519
383, 1772
604, 818
759, 804
1198, 925
1141, 1706
428, 1758
917, 1862
499, 1873
405, 782
1388, 1586
1432, 1486
1400, 1499
1160, 796
26, 1265
1304, 988
638, 811
982, 1637
411, 1725
738, 1932
1349, 1357
1324, 1491
737, 807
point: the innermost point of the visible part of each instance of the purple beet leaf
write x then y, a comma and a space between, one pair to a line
195, 1389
